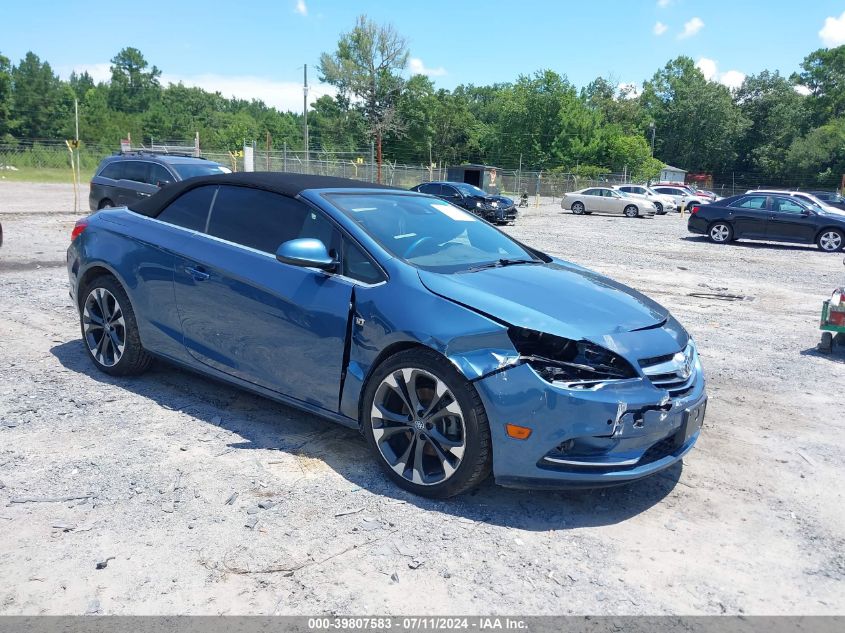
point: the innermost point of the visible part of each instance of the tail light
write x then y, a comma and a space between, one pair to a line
78, 228
694, 209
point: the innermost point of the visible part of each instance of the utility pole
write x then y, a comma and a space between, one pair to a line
305, 111
519, 178
76, 137
653, 129
372, 158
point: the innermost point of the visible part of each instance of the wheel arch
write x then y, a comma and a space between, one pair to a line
94, 270
828, 228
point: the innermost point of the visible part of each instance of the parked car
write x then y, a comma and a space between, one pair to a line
804, 196
831, 198
607, 200
662, 203
1, 235
453, 348
775, 217
493, 208
684, 198
125, 178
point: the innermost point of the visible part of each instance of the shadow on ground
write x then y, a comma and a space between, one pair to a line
752, 244
268, 425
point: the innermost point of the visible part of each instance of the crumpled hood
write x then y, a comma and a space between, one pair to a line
565, 300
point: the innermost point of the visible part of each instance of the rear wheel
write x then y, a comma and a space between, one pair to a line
631, 211
105, 203
830, 240
426, 425
578, 208
826, 344
720, 232
109, 329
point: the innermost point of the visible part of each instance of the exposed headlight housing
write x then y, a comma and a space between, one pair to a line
576, 364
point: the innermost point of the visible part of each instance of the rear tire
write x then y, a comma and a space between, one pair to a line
105, 203
826, 344
443, 448
110, 330
631, 211
720, 232
578, 208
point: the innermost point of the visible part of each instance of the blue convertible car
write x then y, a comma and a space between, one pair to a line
455, 349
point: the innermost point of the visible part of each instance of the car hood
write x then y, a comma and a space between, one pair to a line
557, 298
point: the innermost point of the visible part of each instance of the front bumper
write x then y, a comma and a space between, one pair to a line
587, 438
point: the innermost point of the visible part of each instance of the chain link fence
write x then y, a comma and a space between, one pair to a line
54, 154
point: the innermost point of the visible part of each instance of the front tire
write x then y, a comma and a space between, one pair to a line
578, 208
631, 211
110, 330
830, 240
426, 425
720, 233
659, 208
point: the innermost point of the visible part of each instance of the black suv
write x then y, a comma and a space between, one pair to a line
495, 209
125, 178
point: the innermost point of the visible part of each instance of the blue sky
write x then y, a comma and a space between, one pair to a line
256, 48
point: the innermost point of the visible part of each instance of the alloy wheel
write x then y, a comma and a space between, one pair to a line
418, 426
104, 327
720, 233
830, 241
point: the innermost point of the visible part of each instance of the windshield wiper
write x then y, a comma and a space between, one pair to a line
501, 263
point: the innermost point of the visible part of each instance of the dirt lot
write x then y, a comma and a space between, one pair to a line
754, 521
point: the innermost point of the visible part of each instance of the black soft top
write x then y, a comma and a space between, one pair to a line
278, 182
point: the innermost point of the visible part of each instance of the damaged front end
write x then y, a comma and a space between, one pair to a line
596, 417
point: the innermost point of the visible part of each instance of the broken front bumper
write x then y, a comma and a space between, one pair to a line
587, 438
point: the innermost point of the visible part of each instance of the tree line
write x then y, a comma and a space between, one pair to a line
773, 129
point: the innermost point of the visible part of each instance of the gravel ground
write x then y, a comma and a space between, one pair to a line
203, 499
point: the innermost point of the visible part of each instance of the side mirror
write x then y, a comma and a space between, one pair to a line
306, 252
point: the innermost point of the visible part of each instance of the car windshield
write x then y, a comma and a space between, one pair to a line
430, 234
469, 190
192, 170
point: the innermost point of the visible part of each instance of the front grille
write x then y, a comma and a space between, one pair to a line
674, 372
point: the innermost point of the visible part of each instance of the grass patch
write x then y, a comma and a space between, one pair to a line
45, 174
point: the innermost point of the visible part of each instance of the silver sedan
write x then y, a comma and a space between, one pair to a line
607, 200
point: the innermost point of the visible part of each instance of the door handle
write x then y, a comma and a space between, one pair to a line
143, 195
197, 273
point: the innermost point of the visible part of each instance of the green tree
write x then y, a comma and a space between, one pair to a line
778, 116
823, 74
366, 68
40, 107
133, 88
698, 125
5, 98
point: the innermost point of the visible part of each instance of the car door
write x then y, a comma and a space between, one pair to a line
135, 184
451, 194
592, 199
244, 313
614, 202
790, 221
750, 216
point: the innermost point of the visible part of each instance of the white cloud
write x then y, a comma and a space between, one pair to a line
732, 78
803, 90
710, 69
663, 3
691, 27
707, 67
301, 9
282, 95
833, 31
659, 28
416, 67
98, 72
